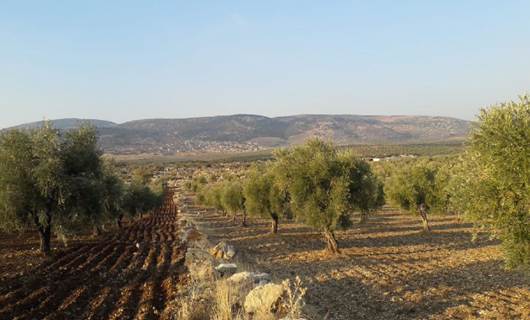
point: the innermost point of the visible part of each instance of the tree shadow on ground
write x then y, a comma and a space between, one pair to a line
419, 296
384, 275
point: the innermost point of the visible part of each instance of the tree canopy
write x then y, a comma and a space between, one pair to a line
325, 185
44, 175
264, 197
495, 192
417, 188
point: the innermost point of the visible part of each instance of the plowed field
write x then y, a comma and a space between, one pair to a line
129, 274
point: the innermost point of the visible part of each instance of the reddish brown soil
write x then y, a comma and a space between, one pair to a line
129, 274
388, 268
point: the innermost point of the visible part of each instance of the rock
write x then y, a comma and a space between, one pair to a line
264, 299
262, 278
230, 252
226, 268
240, 285
223, 251
241, 277
254, 278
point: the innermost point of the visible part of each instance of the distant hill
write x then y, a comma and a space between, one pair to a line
253, 132
68, 123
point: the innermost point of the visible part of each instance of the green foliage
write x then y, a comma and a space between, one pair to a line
113, 192
84, 174
312, 175
264, 197
495, 191
212, 196
365, 189
395, 150
18, 185
416, 184
257, 189
139, 199
196, 183
232, 199
143, 174
326, 185
47, 178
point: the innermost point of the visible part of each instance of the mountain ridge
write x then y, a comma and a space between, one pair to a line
245, 132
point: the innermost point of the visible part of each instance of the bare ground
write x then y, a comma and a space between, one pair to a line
388, 268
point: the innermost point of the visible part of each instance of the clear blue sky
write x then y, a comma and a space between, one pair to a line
123, 60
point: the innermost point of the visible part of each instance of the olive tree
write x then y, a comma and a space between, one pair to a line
264, 197
496, 190
212, 195
323, 185
138, 199
365, 189
232, 199
414, 188
42, 174
113, 195
84, 174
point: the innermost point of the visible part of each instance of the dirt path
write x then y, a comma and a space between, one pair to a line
129, 275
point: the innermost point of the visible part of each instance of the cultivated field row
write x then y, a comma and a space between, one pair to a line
131, 274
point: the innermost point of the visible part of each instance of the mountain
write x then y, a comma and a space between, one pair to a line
68, 123
244, 132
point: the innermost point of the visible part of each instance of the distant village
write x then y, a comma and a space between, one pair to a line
185, 146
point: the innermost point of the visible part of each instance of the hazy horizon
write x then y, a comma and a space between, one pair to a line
124, 61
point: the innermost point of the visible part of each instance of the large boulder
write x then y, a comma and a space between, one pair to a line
264, 299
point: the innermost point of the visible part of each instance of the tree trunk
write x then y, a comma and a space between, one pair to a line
274, 226
364, 218
118, 220
45, 233
331, 242
97, 231
423, 213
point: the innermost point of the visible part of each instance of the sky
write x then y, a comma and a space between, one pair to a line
126, 60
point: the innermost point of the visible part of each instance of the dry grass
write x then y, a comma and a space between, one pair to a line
194, 304
294, 298
222, 299
227, 301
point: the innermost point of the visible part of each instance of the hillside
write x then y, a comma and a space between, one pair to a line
254, 132
67, 123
